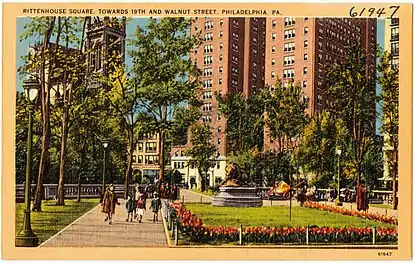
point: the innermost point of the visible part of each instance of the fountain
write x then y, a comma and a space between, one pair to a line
237, 190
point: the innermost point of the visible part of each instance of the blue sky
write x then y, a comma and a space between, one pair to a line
22, 46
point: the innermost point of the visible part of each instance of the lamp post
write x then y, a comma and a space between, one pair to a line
26, 237
339, 153
105, 144
129, 117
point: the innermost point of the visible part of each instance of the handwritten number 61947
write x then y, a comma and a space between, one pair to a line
371, 12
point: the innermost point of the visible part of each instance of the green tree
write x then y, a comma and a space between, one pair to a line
285, 115
389, 82
169, 79
244, 126
352, 93
317, 151
284, 120
202, 151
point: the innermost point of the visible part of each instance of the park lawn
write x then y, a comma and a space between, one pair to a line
381, 205
275, 216
53, 218
207, 192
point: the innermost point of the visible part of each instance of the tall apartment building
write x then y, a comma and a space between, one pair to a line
301, 49
391, 44
232, 59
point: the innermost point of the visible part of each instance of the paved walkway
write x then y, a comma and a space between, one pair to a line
90, 230
194, 197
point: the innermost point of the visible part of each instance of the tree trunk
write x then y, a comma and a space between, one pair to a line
45, 112
394, 183
61, 193
161, 145
128, 169
202, 181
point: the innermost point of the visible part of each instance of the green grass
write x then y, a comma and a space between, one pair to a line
381, 205
53, 218
207, 192
275, 216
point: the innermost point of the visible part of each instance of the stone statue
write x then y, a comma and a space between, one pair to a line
235, 176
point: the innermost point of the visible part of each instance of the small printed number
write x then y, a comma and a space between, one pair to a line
385, 254
371, 11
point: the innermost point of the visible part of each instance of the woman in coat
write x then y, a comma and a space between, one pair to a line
108, 203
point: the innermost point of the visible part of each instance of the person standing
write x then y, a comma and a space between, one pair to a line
155, 206
140, 208
129, 206
109, 202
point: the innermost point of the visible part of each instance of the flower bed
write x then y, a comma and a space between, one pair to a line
192, 227
348, 212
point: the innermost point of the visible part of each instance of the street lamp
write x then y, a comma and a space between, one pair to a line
129, 117
339, 153
26, 237
105, 144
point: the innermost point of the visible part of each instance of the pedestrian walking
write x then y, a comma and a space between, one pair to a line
141, 207
129, 206
155, 206
109, 202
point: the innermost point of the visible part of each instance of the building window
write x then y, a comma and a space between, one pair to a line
305, 43
274, 23
151, 147
220, 57
235, 23
305, 71
288, 60
219, 129
218, 165
221, 22
274, 36
304, 84
288, 47
273, 49
152, 159
208, 60
395, 49
140, 146
288, 21
273, 62
208, 25
235, 47
319, 99
220, 45
288, 34
272, 74
218, 141
139, 159
395, 33
235, 59
305, 18
235, 35
220, 81
305, 30
305, 56
288, 73
220, 69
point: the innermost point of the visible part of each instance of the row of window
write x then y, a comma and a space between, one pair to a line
207, 60
208, 48
181, 165
148, 159
207, 95
150, 146
207, 83
207, 107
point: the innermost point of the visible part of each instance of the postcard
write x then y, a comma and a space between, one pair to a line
200, 131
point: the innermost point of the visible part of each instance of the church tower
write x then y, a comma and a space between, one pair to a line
105, 40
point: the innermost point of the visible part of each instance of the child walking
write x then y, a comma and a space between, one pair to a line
141, 206
155, 206
129, 205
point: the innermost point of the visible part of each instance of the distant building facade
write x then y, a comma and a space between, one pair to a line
391, 44
146, 156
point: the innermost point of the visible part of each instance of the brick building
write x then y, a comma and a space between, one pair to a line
301, 49
242, 54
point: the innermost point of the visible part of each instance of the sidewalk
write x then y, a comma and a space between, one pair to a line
90, 230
